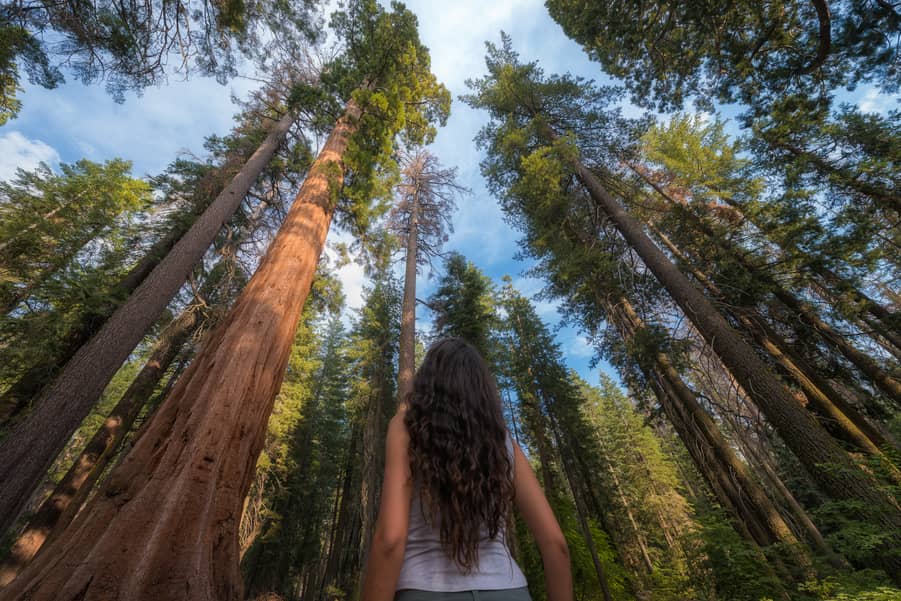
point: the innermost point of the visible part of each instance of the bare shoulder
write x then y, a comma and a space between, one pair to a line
397, 429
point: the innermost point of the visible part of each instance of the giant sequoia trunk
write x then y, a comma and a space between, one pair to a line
55, 514
408, 310
30, 448
813, 446
165, 524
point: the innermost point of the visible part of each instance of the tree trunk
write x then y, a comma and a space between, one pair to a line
879, 322
31, 446
885, 199
878, 376
826, 279
165, 525
343, 565
639, 536
729, 477
408, 311
60, 508
58, 263
807, 314
535, 421
811, 532
371, 483
583, 522
842, 416
18, 396
804, 436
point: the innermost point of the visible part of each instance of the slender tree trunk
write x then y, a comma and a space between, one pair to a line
31, 446
806, 438
849, 423
165, 525
878, 376
639, 536
888, 325
581, 512
881, 329
370, 459
715, 459
408, 311
894, 297
343, 565
755, 517
55, 514
18, 396
886, 199
59, 261
811, 532
46, 216
535, 421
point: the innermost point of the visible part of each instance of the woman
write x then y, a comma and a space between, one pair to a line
452, 476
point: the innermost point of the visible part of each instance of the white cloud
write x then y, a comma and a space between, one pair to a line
82, 121
579, 347
351, 275
870, 101
874, 102
150, 130
17, 151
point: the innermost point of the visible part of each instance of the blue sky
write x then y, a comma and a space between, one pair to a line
76, 121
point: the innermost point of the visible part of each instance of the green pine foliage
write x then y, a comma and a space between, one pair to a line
131, 47
287, 519
463, 305
65, 239
386, 70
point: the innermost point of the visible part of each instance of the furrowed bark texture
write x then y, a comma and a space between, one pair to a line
408, 311
30, 448
165, 524
57, 512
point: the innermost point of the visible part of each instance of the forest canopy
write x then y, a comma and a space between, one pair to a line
230, 230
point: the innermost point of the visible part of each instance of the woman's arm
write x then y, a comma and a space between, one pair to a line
539, 517
386, 555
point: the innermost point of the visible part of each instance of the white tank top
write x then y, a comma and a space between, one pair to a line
427, 566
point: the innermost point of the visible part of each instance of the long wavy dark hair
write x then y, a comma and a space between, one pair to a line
458, 448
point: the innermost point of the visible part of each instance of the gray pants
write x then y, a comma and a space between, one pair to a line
508, 594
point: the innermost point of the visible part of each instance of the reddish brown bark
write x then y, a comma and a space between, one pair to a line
55, 514
30, 448
165, 524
